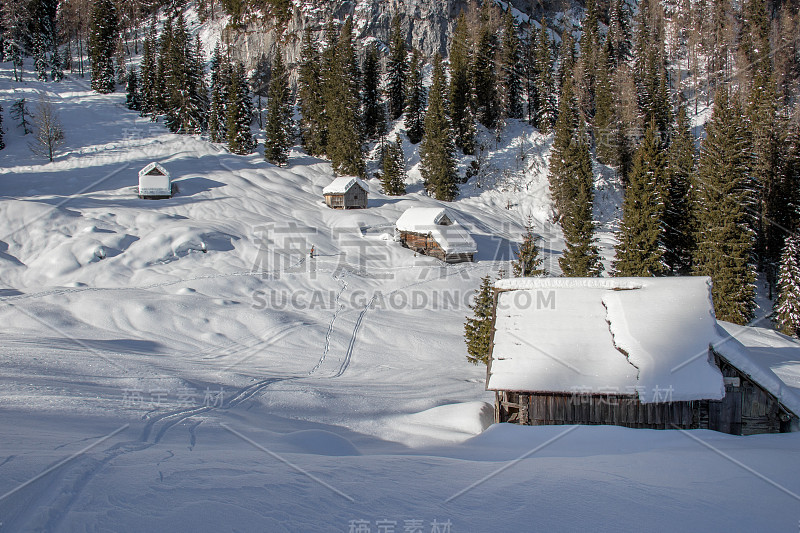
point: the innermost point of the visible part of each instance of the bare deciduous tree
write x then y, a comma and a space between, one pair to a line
49, 132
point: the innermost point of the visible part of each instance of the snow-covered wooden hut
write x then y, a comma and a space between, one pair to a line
435, 231
346, 192
154, 182
634, 352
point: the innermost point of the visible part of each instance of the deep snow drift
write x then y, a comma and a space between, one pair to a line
183, 364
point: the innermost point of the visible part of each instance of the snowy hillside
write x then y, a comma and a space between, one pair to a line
184, 364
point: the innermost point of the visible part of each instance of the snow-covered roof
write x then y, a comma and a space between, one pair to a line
342, 184
645, 336
153, 166
750, 349
439, 223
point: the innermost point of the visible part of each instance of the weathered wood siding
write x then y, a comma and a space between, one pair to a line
427, 245
544, 409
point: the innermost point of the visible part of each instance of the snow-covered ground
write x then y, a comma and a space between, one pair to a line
184, 365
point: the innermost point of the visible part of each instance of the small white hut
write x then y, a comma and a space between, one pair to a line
435, 231
154, 182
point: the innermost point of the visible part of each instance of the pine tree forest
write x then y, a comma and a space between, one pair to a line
619, 90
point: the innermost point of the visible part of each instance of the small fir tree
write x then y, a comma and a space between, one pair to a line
397, 70
461, 87
528, 262
374, 108
393, 177
415, 101
20, 113
279, 115
39, 58
437, 160
787, 306
478, 327
220, 80
56, 66
639, 251
239, 113
132, 99
103, 34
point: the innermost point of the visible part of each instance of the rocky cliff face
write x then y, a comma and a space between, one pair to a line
429, 24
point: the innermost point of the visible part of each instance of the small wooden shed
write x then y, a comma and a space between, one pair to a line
346, 192
435, 232
154, 182
633, 352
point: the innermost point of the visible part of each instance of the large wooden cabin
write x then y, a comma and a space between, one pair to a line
633, 352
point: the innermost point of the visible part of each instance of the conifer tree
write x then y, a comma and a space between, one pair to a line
415, 101
220, 79
639, 251
509, 67
724, 231
313, 130
605, 123
148, 74
239, 111
397, 70
279, 115
545, 114
619, 32
528, 262
342, 107
461, 87
561, 153
39, 59
485, 78
438, 166
581, 257
393, 177
679, 228
787, 306
374, 108
103, 34
478, 328
20, 113
589, 52
56, 66
132, 91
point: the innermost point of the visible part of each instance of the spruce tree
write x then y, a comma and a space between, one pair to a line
103, 34
342, 108
239, 110
56, 66
605, 124
374, 108
279, 115
313, 130
787, 306
561, 153
679, 227
724, 237
509, 67
415, 101
461, 87
39, 59
393, 177
437, 161
528, 262
20, 113
619, 31
220, 79
587, 66
132, 91
397, 70
639, 251
485, 78
581, 257
148, 74
478, 327
545, 117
